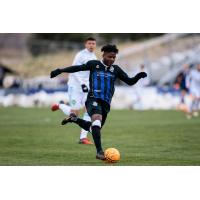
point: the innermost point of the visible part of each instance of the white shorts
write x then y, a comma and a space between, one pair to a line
195, 92
77, 98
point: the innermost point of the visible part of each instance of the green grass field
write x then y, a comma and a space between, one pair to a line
35, 137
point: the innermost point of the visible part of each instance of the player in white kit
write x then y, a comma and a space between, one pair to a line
78, 86
193, 83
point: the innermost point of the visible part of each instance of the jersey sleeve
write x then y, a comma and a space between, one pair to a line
90, 63
125, 78
76, 68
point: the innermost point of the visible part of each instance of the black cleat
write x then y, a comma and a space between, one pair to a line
100, 156
61, 102
72, 118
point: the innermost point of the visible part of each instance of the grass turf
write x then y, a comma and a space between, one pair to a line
34, 136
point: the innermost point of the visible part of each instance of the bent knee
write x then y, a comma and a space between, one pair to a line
96, 123
96, 117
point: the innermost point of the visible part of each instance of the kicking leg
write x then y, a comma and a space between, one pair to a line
74, 119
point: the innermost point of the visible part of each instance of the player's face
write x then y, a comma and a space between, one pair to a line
109, 58
90, 45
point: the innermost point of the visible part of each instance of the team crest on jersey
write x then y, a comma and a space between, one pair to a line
111, 69
94, 103
73, 102
97, 66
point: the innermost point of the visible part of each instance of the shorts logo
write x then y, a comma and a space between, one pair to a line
94, 103
97, 66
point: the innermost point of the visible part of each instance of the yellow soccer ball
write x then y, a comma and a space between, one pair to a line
112, 155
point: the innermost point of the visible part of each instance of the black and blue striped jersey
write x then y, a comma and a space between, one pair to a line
102, 78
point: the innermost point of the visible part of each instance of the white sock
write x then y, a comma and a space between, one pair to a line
196, 107
192, 105
65, 108
84, 132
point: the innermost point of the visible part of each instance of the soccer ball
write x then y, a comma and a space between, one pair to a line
112, 155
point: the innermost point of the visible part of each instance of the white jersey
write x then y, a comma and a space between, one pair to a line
193, 82
78, 78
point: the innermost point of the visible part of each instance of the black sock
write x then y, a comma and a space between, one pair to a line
83, 124
96, 134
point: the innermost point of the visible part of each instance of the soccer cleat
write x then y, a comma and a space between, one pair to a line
195, 114
100, 156
72, 118
85, 141
55, 107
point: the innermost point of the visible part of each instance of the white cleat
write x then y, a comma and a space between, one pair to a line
195, 114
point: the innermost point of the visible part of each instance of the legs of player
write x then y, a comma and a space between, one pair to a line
77, 101
191, 107
96, 134
94, 127
65, 108
83, 133
196, 107
82, 123
182, 100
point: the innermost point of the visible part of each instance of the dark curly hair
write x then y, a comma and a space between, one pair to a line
109, 48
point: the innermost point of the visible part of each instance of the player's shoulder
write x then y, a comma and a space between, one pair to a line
80, 53
116, 67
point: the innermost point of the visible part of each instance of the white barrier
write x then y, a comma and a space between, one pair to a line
124, 98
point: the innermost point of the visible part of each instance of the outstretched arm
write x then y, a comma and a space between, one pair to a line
71, 69
130, 81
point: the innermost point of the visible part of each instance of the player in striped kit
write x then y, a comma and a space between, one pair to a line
78, 87
102, 86
193, 83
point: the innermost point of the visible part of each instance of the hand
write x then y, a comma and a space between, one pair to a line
55, 73
141, 75
84, 88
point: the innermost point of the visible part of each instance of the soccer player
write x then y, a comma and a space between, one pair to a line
78, 85
102, 85
180, 84
193, 83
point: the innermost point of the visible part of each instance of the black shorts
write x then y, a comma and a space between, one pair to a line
97, 106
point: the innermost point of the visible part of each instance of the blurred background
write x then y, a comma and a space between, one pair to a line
27, 59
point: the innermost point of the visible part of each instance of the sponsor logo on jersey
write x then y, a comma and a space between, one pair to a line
97, 90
